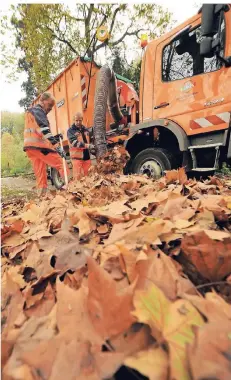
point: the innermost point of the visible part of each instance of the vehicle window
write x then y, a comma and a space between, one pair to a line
181, 58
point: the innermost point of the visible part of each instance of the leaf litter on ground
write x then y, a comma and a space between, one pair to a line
118, 271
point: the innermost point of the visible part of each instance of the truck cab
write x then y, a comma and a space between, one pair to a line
185, 102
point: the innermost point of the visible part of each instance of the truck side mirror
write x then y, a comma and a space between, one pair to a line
207, 20
206, 47
210, 26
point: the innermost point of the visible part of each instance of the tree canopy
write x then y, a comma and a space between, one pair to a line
51, 35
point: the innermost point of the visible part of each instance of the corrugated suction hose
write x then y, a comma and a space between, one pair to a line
105, 94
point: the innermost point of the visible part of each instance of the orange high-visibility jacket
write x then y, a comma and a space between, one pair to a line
78, 150
37, 133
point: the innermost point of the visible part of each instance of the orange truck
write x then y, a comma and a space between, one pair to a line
185, 98
182, 116
74, 91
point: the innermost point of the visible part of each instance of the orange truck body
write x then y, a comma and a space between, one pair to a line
185, 100
70, 90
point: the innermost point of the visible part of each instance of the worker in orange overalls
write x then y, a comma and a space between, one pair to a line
79, 140
41, 147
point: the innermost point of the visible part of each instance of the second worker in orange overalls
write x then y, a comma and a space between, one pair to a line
79, 141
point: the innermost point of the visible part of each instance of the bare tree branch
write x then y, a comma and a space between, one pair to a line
113, 19
88, 18
62, 40
126, 33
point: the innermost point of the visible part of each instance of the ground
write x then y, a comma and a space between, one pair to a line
18, 187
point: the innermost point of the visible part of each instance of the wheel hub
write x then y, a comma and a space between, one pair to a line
152, 168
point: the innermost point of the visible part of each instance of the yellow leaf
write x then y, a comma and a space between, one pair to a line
150, 219
151, 307
178, 332
171, 322
152, 363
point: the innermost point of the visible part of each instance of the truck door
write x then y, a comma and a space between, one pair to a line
192, 90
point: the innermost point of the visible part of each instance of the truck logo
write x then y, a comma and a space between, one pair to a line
187, 86
215, 101
60, 103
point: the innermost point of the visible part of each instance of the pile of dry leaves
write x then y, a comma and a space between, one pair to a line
122, 276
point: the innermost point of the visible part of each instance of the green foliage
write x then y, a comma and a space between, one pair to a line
13, 158
51, 35
12, 123
226, 169
122, 67
28, 85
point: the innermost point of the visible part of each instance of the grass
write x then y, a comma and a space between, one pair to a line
8, 193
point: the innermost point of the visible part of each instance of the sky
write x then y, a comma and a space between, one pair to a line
12, 93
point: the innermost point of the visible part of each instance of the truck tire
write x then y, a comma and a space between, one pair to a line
56, 179
153, 162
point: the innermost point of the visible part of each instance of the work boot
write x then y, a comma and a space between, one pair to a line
64, 187
42, 192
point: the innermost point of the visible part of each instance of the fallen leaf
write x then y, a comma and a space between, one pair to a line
16, 276
113, 267
212, 258
33, 331
43, 306
171, 322
130, 258
209, 354
102, 229
72, 315
217, 235
120, 230
213, 307
109, 311
159, 266
84, 224
152, 363
151, 307
74, 280
13, 252
178, 333
81, 362
13, 240
10, 313
39, 261
33, 214
132, 340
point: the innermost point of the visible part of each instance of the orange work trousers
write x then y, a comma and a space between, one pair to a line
80, 168
39, 162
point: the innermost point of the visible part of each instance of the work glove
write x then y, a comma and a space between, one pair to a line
59, 135
61, 152
91, 147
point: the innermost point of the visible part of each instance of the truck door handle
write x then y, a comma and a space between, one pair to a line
161, 105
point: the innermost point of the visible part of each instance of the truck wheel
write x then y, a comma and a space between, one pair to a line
56, 179
153, 162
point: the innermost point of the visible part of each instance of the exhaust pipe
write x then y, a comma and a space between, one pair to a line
105, 94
